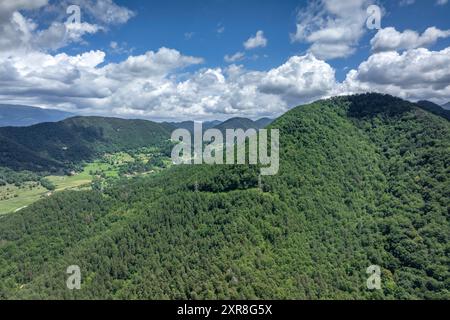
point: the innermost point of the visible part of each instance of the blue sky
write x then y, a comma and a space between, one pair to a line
175, 59
192, 28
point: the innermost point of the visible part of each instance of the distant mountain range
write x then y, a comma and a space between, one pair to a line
446, 106
243, 123
60, 145
435, 108
189, 125
23, 116
233, 123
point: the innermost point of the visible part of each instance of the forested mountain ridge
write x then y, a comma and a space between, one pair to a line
363, 181
60, 145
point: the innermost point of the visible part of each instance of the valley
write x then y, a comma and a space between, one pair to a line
98, 173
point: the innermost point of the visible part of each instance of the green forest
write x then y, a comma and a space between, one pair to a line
364, 180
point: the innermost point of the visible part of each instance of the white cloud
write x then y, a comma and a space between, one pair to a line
255, 42
151, 86
300, 79
104, 11
238, 56
441, 2
7, 7
17, 32
156, 85
388, 39
415, 74
333, 28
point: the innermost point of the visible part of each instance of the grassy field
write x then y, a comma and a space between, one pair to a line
19, 198
13, 198
25, 197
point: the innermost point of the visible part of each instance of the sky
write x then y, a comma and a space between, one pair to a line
216, 59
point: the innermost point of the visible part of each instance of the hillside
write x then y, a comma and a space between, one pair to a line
23, 116
434, 108
263, 122
57, 146
446, 106
363, 181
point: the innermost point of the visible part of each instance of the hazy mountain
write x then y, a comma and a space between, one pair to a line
22, 116
263, 122
243, 123
233, 123
189, 125
363, 181
434, 108
446, 106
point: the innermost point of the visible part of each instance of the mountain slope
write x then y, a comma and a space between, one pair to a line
52, 146
434, 108
263, 122
363, 181
446, 106
23, 116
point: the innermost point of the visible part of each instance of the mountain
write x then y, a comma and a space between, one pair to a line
243, 123
434, 108
363, 181
59, 145
23, 116
446, 106
189, 125
233, 123
263, 122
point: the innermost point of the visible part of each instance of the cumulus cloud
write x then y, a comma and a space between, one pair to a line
255, 42
163, 84
154, 86
389, 39
300, 79
414, 74
17, 32
333, 28
7, 7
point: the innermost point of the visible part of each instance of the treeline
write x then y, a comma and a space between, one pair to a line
8, 176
